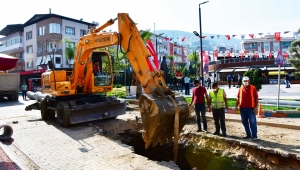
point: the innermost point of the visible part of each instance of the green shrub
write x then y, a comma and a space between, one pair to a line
118, 94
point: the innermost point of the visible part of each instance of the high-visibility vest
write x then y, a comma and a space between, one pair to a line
217, 102
251, 88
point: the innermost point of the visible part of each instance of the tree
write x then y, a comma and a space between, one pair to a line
70, 49
194, 58
255, 76
295, 53
171, 66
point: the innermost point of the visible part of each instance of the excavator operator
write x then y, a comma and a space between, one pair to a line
97, 64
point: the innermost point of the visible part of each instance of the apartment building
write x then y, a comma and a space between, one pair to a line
39, 40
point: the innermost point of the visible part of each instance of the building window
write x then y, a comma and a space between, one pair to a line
57, 60
44, 30
29, 49
267, 46
39, 47
29, 63
54, 28
82, 33
70, 31
276, 46
28, 35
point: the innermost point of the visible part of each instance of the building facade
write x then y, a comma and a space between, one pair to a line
40, 40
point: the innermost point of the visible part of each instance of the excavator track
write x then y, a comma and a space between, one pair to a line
158, 116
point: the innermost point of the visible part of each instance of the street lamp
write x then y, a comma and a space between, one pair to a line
200, 36
156, 42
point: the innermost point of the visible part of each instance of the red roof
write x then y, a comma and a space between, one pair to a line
7, 62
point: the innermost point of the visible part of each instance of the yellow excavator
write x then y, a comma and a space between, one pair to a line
81, 97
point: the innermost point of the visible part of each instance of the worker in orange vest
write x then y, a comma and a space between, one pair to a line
247, 103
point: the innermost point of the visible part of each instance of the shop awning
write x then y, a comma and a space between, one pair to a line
227, 70
274, 73
272, 68
289, 68
7, 62
241, 69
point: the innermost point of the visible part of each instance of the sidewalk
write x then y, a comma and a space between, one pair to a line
267, 92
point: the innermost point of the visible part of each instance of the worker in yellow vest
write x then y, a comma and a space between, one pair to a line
217, 104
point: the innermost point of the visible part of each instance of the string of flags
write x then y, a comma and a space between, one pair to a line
277, 36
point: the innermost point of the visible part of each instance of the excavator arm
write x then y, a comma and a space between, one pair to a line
163, 112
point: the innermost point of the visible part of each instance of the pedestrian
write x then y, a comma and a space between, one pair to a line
239, 81
175, 85
217, 104
208, 83
247, 103
164, 67
187, 85
24, 90
287, 80
229, 79
199, 104
233, 80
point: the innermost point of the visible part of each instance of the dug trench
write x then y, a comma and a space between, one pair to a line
199, 150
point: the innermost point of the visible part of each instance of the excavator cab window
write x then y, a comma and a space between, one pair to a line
101, 68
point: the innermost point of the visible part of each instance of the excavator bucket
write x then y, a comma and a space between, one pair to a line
95, 111
158, 116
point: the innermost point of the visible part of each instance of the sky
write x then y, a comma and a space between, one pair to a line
224, 17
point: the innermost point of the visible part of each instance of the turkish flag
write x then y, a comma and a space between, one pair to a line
270, 55
251, 35
286, 55
154, 57
203, 36
228, 37
242, 55
277, 36
216, 53
182, 39
255, 55
228, 54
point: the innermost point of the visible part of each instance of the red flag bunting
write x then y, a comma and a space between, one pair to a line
251, 35
182, 39
255, 55
228, 37
216, 53
167, 39
286, 55
270, 55
203, 36
228, 55
277, 36
151, 49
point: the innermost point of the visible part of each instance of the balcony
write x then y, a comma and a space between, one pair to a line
46, 52
12, 48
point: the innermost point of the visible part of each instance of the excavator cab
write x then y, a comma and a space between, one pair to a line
102, 69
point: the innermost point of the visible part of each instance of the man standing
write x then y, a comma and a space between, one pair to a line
164, 67
217, 104
208, 83
287, 80
239, 81
24, 90
199, 104
247, 102
187, 85
229, 78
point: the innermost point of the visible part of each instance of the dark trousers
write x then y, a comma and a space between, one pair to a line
209, 85
229, 84
187, 88
219, 118
201, 108
24, 94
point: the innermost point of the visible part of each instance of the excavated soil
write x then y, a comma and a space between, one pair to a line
277, 147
